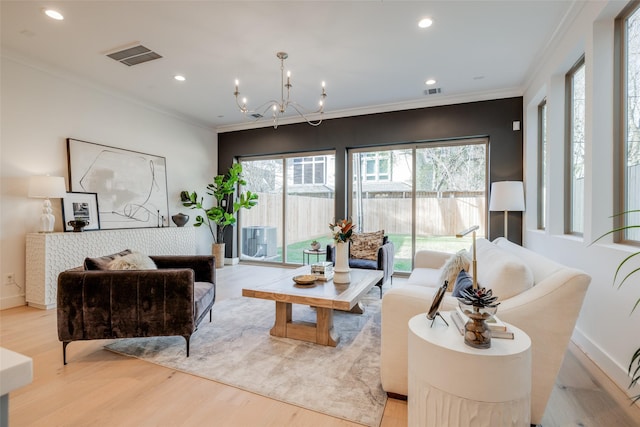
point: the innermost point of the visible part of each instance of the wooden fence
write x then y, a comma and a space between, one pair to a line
309, 217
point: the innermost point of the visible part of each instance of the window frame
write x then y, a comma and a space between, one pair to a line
285, 159
621, 153
569, 146
414, 147
542, 164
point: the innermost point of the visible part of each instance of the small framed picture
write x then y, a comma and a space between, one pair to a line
78, 206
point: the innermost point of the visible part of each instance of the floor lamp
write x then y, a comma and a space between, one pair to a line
507, 196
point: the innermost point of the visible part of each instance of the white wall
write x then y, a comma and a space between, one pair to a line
605, 330
40, 108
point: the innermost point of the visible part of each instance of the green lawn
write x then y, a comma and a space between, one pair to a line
404, 254
402, 243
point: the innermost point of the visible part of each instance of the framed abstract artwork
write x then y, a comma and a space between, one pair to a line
81, 206
131, 186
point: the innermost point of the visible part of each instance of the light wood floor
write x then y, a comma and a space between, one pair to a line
100, 388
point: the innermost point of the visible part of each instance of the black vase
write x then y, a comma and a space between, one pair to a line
78, 225
180, 219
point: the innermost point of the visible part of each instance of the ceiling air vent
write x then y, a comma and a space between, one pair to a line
256, 115
432, 91
134, 55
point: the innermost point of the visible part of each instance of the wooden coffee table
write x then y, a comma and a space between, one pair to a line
323, 296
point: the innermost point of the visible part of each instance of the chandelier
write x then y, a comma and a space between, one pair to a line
278, 108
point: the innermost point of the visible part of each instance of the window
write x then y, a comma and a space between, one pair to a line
421, 195
309, 170
377, 166
630, 142
296, 204
575, 148
542, 165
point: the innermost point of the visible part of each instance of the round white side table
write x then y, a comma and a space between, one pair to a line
453, 384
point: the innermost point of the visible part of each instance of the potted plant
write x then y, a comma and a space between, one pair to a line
634, 364
223, 212
315, 245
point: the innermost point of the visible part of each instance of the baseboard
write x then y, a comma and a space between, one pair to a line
612, 369
12, 301
231, 261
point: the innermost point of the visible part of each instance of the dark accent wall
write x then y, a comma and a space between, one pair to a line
493, 119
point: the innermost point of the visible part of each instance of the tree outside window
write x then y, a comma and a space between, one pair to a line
630, 159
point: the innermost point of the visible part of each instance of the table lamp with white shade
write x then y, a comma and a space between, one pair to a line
47, 187
507, 196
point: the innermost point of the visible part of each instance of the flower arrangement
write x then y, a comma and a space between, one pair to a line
342, 230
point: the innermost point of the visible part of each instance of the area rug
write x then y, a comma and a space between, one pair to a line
236, 349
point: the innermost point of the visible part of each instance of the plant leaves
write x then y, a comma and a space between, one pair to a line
626, 227
615, 276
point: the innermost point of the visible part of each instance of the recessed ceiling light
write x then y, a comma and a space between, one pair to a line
53, 14
179, 78
430, 82
425, 23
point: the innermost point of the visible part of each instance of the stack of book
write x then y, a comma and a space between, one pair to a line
323, 270
498, 328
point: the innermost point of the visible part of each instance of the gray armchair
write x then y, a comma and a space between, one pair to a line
383, 262
107, 304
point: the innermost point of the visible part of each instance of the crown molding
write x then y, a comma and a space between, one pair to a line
434, 101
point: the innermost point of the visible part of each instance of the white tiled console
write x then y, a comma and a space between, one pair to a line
50, 253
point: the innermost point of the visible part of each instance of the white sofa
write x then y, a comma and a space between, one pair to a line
547, 309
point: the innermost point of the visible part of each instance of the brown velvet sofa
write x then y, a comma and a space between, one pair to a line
106, 304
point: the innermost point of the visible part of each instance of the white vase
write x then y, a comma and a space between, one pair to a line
341, 271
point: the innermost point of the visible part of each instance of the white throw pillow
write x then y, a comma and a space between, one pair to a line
501, 271
133, 261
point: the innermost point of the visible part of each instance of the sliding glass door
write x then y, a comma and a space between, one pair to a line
295, 206
421, 196
382, 197
260, 227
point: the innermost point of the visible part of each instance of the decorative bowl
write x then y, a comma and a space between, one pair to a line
305, 279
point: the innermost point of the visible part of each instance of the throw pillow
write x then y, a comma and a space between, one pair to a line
366, 245
458, 261
463, 281
498, 269
101, 263
132, 261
